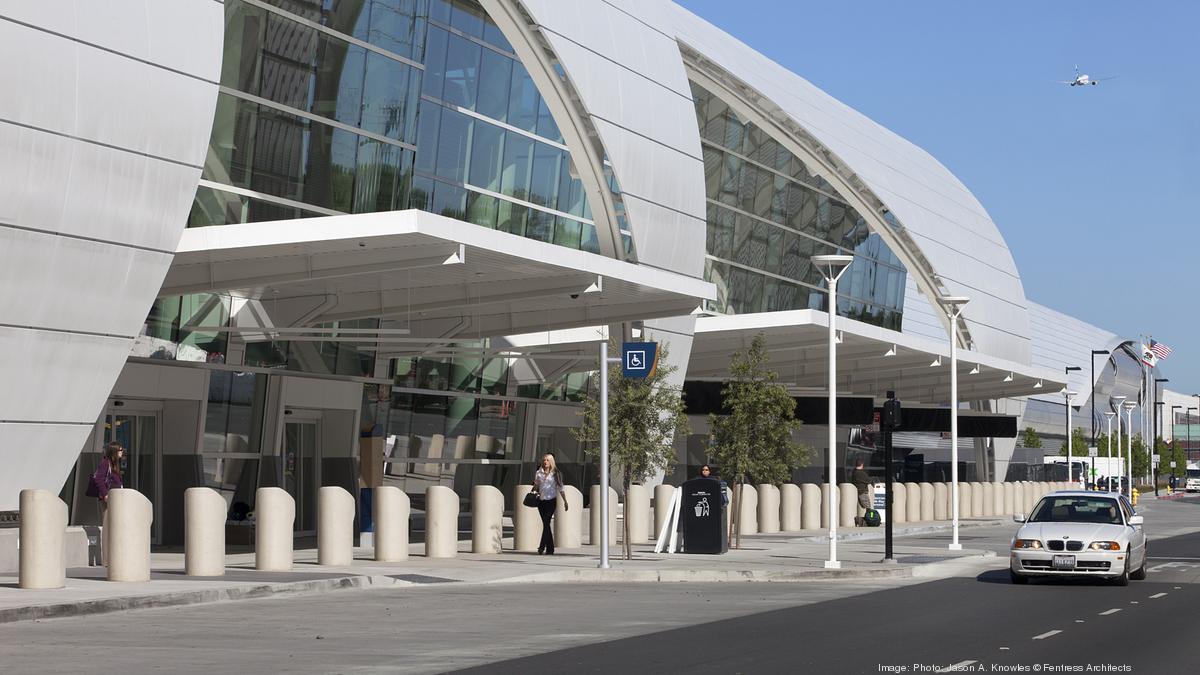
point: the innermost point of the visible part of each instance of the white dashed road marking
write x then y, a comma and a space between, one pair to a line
1157, 595
1047, 634
1111, 611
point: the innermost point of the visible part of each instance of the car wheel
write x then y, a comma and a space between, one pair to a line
1123, 578
1140, 573
1018, 579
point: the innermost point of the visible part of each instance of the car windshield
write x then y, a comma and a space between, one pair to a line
1077, 510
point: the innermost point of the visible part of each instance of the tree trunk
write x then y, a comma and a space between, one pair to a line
625, 519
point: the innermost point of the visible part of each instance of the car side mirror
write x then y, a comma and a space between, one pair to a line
1018, 517
1135, 520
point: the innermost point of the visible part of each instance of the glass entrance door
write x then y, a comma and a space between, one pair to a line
138, 431
301, 470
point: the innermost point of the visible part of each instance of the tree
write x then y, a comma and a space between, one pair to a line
1172, 452
644, 417
1030, 438
1141, 459
1079, 446
755, 437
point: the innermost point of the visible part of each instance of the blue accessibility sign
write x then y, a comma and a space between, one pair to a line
639, 359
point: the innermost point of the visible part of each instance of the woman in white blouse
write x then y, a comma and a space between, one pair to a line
548, 483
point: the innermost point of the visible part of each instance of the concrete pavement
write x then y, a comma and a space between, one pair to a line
783, 557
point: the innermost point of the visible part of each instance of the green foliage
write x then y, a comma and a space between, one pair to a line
1167, 453
644, 417
755, 438
1141, 458
1079, 444
1030, 438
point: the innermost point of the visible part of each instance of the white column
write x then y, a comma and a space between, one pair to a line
790, 499
568, 522
274, 518
441, 522
335, 526
637, 513
130, 516
527, 524
487, 516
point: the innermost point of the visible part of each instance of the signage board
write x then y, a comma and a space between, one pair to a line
639, 359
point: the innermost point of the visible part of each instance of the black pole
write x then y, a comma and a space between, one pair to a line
888, 420
1093, 407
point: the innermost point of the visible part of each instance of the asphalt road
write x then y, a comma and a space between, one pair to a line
980, 624
871, 626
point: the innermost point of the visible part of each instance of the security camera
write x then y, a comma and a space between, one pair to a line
574, 296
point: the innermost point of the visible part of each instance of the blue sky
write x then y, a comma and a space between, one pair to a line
1094, 188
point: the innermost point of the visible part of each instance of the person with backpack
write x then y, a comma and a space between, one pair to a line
861, 480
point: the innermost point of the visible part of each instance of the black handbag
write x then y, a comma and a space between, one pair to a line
532, 499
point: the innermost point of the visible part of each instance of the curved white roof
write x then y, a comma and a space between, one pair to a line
947, 223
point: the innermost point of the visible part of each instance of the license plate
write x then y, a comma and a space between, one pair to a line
1064, 562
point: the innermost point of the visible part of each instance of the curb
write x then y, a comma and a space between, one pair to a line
878, 532
621, 576
180, 598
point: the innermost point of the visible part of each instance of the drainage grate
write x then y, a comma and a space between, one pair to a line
422, 579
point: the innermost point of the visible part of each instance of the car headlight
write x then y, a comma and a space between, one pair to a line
1026, 543
1104, 546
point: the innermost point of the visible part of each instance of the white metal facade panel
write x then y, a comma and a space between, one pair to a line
69, 284
37, 456
935, 205
672, 237
104, 89
59, 184
64, 365
1060, 340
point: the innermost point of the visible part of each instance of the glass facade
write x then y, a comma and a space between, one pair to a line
384, 105
768, 215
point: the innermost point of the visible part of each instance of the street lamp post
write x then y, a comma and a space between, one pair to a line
832, 267
1129, 406
1174, 446
1067, 396
1109, 414
953, 306
1120, 460
1095, 353
1187, 420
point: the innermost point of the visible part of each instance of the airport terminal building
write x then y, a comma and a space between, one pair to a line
298, 243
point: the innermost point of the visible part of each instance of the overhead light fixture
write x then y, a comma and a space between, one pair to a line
597, 286
1038, 385
936, 362
457, 258
1009, 378
890, 352
839, 337
975, 370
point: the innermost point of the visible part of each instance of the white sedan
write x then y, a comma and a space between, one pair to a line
1079, 533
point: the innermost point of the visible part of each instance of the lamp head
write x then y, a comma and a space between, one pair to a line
1097, 352
1129, 405
1119, 399
1109, 414
832, 264
1161, 379
1069, 394
953, 300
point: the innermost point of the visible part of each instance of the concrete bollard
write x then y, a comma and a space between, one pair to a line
912, 502
391, 511
965, 500
810, 506
1006, 494
594, 513
899, 512
637, 511
997, 498
789, 508
662, 500
977, 499
42, 539
203, 532
941, 501
130, 516
1030, 496
335, 526
441, 522
768, 508
748, 511
927, 509
847, 504
487, 518
527, 524
274, 517
987, 493
568, 523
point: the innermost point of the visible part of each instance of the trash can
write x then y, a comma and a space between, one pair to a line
702, 517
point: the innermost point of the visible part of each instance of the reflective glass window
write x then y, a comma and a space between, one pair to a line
518, 155
523, 100
495, 73
461, 72
487, 156
452, 145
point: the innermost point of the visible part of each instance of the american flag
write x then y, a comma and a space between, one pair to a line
1160, 350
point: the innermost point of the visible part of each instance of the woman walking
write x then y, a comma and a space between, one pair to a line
107, 476
547, 482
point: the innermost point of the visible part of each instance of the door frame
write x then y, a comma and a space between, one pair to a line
128, 407
313, 418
